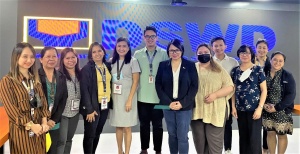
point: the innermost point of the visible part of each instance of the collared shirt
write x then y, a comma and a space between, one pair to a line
146, 90
228, 63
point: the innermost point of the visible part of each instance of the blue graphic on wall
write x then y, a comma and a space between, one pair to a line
57, 41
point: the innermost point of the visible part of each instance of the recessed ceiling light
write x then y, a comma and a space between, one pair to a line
239, 4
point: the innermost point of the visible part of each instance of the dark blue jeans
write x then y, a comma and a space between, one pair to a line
178, 123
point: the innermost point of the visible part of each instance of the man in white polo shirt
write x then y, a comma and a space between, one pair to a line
228, 63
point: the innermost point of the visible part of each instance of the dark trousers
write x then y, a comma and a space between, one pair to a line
54, 134
249, 132
265, 143
92, 131
228, 130
148, 114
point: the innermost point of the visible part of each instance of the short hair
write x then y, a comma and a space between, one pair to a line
91, 51
177, 43
244, 48
116, 55
150, 28
278, 53
259, 41
216, 39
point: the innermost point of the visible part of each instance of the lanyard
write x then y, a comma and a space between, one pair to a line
52, 88
119, 70
103, 75
150, 61
74, 82
30, 91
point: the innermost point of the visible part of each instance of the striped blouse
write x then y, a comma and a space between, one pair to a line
15, 99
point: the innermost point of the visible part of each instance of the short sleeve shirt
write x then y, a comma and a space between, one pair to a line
247, 93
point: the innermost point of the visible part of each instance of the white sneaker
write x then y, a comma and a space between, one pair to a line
228, 152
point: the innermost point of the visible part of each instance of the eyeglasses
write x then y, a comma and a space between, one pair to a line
176, 51
245, 53
150, 36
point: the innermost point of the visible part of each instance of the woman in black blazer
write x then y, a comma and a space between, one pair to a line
95, 88
176, 86
55, 90
277, 114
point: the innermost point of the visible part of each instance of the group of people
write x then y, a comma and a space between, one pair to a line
145, 88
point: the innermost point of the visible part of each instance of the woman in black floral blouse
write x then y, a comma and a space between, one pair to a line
248, 100
277, 116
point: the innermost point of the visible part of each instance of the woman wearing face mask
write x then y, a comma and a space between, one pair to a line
212, 108
55, 90
176, 86
248, 100
277, 116
69, 65
24, 102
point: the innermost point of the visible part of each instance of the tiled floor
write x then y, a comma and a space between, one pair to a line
108, 145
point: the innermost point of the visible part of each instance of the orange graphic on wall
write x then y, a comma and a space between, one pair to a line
58, 27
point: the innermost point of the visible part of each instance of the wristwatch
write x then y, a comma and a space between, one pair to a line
28, 125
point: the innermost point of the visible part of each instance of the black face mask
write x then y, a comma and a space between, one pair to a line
204, 58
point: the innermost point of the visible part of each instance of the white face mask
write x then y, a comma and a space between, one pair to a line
245, 74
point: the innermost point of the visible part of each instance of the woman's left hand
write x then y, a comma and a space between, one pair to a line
210, 98
128, 105
257, 113
45, 128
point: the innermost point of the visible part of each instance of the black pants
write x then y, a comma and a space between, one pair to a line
265, 143
54, 134
148, 114
249, 132
228, 130
92, 131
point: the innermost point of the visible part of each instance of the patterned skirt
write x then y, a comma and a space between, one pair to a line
280, 122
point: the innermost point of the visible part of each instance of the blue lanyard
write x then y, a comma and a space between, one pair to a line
151, 61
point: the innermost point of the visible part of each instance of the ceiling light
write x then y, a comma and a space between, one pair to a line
239, 4
178, 3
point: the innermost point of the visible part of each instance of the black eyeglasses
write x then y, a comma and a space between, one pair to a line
150, 36
176, 51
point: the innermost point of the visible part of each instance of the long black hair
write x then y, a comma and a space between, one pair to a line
62, 66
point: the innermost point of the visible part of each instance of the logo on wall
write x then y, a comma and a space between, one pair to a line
58, 32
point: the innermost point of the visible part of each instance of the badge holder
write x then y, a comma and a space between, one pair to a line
117, 89
151, 79
104, 103
75, 104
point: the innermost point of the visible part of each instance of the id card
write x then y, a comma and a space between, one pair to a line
32, 112
151, 79
50, 107
75, 104
31, 134
117, 89
104, 103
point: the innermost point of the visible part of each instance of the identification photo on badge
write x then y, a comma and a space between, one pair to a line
104, 103
75, 104
117, 89
151, 79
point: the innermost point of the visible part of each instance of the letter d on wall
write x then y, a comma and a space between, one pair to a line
109, 33
248, 35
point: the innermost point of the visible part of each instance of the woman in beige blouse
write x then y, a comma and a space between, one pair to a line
212, 108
